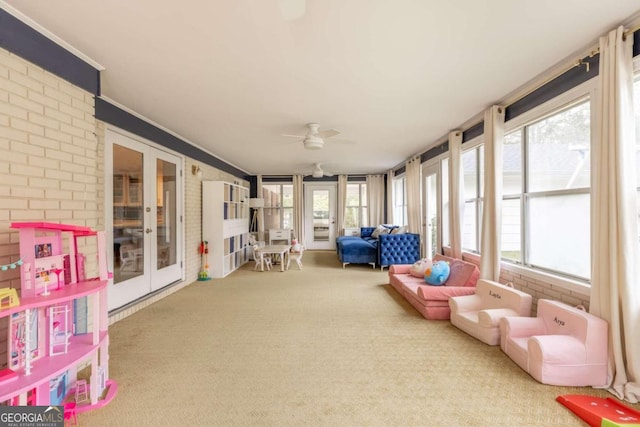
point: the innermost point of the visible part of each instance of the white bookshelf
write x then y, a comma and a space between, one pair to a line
225, 226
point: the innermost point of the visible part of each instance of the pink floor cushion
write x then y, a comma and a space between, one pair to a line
562, 345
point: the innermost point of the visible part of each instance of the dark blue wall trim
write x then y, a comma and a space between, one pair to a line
636, 43
22, 40
473, 132
434, 152
109, 113
566, 81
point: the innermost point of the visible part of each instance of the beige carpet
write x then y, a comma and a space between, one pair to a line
320, 347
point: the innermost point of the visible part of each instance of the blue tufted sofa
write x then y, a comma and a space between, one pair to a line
386, 250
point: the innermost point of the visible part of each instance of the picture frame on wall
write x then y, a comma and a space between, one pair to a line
43, 250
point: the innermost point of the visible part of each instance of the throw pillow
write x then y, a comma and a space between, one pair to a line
381, 229
418, 269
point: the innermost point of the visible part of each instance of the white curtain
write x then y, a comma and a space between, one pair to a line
390, 219
456, 193
492, 205
298, 207
342, 202
615, 285
414, 199
375, 199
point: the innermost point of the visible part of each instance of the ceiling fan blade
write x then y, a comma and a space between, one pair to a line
328, 174
341, 141
286, 135
328, 133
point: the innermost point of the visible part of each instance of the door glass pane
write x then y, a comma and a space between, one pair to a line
320, 215
128, 220
558, 150
470, 174
166, 225
566, 218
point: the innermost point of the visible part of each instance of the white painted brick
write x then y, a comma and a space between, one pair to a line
71, 185
68, 109
25, 170
56, 114
70, 148
72, 167
46, 143
20, 147
58, 215
4, 170
58, 194
57, 154
4, 120
27, 126
58, 136
73, 91
79, 177
42, 162
43, 183
44, 100
58, 175
13, 88
14, 203
89, 126
28, 192
4, 72
71, 130
13, 111
44, 77
23, 80
22, 102
15, 135
62, 98
80, 104
74, 205
12, 61
4, 95
44, 204
14, 180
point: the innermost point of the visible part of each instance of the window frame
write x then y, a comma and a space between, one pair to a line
361, 207
572, 97
476, 144
400, 199
280, 204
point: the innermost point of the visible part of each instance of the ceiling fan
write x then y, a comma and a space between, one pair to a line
317, 171
314, 139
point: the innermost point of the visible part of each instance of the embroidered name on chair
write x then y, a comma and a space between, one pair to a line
558, 321
493, 294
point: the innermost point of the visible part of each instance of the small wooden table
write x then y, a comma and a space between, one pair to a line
282, 250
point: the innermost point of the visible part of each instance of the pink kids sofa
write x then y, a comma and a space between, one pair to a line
433, 301
479, 314
563, 345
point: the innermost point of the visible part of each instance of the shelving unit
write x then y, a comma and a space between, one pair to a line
51, 336
225, 226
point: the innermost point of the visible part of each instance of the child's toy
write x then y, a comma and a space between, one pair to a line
419, 267
204, 252
437, 274
8, 298
600, 412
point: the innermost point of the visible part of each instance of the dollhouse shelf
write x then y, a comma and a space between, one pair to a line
59, 329
81, 347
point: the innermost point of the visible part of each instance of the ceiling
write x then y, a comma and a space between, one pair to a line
232, 76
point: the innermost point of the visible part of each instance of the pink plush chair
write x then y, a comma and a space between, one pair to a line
563, 345
479, 314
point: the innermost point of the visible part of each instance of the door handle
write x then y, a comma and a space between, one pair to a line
148, 230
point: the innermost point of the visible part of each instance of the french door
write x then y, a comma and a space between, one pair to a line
431, 216
144, 218
320, 216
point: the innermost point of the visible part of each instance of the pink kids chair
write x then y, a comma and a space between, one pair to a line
563, 345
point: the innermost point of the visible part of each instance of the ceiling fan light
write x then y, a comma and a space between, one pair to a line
317, 174
313, 142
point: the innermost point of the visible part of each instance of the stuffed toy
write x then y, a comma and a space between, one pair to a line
295, 246
437, 274
420, 266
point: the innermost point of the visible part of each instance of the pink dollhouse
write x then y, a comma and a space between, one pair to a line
58, 331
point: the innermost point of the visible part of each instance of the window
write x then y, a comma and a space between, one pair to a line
400, 201
444, 167
355, 212
546, 180
473, 177
278, 205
